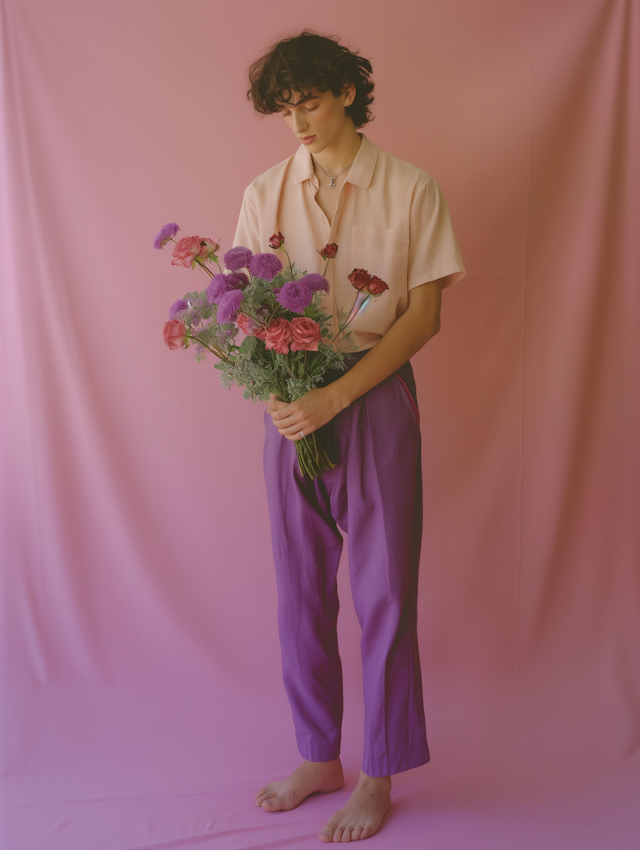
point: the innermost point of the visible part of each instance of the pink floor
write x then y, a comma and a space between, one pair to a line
125, 771
141, 700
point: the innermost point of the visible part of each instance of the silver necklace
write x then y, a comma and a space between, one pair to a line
332, 180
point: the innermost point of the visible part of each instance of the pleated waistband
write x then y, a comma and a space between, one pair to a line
405, 372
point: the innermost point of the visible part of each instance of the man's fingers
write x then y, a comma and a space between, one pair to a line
284, 411
276, 406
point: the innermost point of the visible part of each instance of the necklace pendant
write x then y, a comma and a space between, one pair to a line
332, 182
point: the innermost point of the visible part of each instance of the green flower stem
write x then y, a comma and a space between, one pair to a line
251, 316
341, 330
275, 310
289, 259
202, 266
218, 354
348, 322
313, 458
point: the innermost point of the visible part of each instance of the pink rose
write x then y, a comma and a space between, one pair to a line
306, 334
278, 336
186, 251
208, 248
175, 334
246, 324
250, 327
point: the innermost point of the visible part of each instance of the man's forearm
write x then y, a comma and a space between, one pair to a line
403, 339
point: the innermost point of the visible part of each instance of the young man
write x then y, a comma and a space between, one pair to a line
390, 218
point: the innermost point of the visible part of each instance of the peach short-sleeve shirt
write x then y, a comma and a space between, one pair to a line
391, 219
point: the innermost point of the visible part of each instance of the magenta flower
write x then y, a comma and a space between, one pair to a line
166, 232
220, 283
238, 258
295, 295
315, 282
240, 280
229, 306
265, 266
177, 307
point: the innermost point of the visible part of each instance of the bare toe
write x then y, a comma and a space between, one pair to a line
309, 778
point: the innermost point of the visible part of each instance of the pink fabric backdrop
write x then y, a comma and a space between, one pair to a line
142, 702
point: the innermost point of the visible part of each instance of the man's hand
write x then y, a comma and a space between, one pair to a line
405, 337
305, 415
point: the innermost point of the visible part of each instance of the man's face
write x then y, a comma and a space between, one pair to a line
319, 120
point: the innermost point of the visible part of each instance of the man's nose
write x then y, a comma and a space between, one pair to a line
299, 123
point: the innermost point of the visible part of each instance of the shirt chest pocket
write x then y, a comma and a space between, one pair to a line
384, 253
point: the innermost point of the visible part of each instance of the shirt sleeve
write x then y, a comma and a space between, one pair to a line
433, 249
248, 231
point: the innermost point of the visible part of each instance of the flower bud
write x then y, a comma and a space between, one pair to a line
208, 248
277, 240
329, 251
364, 282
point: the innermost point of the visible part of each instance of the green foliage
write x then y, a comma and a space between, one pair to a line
251, 365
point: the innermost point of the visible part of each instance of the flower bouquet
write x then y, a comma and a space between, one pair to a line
288, 345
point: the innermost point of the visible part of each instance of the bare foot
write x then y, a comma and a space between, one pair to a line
364, 812
311, 776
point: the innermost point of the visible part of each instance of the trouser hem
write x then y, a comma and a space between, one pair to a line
316, 751
396, 762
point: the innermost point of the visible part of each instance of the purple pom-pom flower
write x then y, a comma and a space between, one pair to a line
220, 283
238, 258
177, 307
315, 282
229, 305
265, 266
240, 280
166, 232
295, 296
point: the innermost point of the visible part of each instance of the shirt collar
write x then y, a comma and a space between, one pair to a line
359, 174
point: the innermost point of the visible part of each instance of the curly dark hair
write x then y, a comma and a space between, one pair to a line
306, 61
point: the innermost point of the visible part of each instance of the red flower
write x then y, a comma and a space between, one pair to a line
306, 334
364, 282
329, 251
276, 240
278, 336
377, 286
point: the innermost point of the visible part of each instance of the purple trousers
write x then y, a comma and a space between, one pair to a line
375, 495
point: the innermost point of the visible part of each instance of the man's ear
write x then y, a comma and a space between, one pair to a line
349, 92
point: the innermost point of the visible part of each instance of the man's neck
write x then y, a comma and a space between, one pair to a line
341, 154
